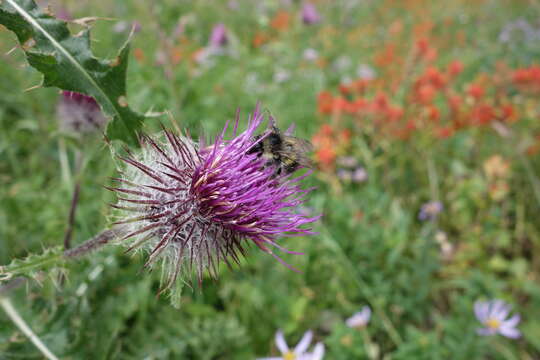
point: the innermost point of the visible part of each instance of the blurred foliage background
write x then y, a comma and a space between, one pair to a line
425, 121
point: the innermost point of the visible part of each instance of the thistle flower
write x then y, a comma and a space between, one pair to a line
79, 113
218, 37
300, 350
492, 314
193, 205
359, 319
310, 15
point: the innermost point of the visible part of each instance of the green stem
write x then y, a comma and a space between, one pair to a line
54, 257
364, 288
21, 324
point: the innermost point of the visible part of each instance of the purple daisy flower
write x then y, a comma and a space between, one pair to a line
493, 315
196, 205
310, 15
79, 113
300, 350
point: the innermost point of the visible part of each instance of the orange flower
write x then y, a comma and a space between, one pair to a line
260, 38
281, 21
326, 156
482, 114
433, 113
455, 68
138, 53
426, 93
444, 132
476, 91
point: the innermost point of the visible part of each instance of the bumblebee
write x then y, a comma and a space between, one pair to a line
285, 153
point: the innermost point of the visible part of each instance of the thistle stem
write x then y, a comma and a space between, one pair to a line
21, 324
74, 201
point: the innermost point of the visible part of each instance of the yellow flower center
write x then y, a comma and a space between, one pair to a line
289, 356
493, 323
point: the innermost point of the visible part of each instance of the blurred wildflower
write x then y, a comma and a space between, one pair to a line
310, 54
300, 351
446, 247
79, 113
430, 210
519, 27
182, 201
281, 21
493, 315
496, 167
233, 5
218, 37
347, 161
365, 72
281, 76
123, 26
342, 63
359, 319
310, 15
359, 175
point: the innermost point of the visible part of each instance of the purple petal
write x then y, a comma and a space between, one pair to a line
281, 343
509, 332
512, 322
318, 352
481, 310
304, 343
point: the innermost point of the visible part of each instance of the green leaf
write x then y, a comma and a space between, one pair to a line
32, 264
66, 61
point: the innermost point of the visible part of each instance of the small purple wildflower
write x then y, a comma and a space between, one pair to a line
310, 54
359, 319
218, 37
79, 113
430, 210
196, 205
310, 15
492, 314
300, 350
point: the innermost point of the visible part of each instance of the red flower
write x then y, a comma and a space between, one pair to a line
455, 68
476, 91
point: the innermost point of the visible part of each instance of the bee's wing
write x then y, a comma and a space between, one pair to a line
297, 151
300, 145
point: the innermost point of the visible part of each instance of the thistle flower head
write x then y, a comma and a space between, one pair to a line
79, 113
193, 205
310, 15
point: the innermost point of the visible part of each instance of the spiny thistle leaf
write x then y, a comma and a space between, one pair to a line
66, 61
33, 263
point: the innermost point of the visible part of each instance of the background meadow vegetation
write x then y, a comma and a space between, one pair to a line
431, 101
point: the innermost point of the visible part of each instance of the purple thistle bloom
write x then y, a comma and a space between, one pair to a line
79, 113
310, 15
196, 205
492, 314
430, 210
218, 37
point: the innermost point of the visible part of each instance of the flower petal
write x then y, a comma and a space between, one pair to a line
481, 310
512, 322
304, 343
498, 310
318, 352
281, 343
509, 332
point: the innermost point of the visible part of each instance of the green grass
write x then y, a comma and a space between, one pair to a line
386, 258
